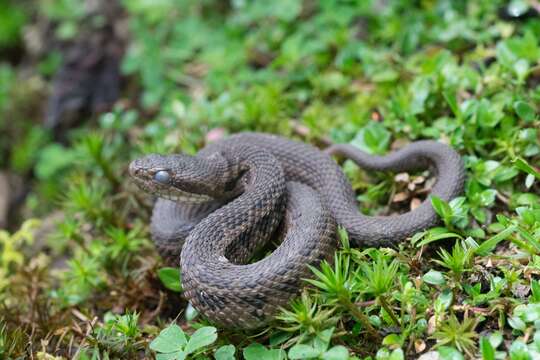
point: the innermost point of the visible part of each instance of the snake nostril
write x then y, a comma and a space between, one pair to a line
133, 169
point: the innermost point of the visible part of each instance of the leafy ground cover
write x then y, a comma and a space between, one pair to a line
79, 277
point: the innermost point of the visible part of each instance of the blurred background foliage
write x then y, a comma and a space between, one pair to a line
376, 73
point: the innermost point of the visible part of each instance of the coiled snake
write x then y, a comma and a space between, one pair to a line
217, 208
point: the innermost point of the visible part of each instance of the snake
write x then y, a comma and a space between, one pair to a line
219, 208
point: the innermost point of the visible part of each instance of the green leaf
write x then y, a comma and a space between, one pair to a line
258, 352
504, 173
536, 340
450, 97
518, 8
521, 69
528, 313
478, 233
487, 246
254, 352
449, 353
442, 208
444, 300
191, 312
338, 352
519, 351
392, 340
487, 197
302, 351
479, 214
488, 353
486, 115
385, 75
517, 323
322, 340
343, 237
171, 278
53, 160
382, 354
226, 352
525, 111
177, 355
435, 234
372, 138
496, 339
14, 18
458, 211
279, 337
397, 354
531, 240
522, 165
529, 181
201, 338
535, 291
286, 10
434, 278
171, 339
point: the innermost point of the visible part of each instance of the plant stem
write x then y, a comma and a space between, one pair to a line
388, 309
360, 316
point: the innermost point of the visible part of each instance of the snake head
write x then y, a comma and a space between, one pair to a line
180, 177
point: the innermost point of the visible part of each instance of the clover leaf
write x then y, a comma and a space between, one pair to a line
173, 344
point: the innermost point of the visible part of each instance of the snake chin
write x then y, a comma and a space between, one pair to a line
184, 197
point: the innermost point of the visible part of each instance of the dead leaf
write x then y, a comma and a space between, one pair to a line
432, 325
419, 345
401, 196
415, 202
402, 177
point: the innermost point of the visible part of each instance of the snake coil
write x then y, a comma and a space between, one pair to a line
216, 209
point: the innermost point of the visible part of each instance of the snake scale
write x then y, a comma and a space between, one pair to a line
216, 209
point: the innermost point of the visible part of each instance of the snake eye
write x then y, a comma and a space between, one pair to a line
162, 176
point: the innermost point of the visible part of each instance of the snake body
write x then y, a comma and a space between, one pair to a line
226, 202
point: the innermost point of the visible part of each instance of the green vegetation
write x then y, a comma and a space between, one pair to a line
84, 281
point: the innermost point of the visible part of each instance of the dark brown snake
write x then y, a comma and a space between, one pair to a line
217, 208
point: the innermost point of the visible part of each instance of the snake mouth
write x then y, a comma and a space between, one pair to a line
184, 197
170, 192
146, 181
